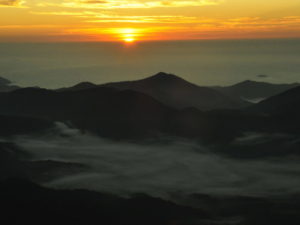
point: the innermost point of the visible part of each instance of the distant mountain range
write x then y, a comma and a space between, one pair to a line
254, 91
178, 93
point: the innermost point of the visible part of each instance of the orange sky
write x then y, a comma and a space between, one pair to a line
113, 20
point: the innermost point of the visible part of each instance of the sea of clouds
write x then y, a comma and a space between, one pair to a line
158, 169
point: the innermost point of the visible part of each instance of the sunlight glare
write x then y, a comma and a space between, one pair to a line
129, 40
128, 35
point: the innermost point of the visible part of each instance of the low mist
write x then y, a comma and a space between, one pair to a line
177, 166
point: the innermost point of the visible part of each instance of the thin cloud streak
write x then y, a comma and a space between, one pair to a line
130, 4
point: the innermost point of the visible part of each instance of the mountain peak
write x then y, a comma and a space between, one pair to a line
164, 76
84, 85
249, 82
80, 86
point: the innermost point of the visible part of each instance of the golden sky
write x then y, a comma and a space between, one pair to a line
113, 20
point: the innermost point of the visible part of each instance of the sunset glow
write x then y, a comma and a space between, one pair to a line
129, 40
76, 20
128, 34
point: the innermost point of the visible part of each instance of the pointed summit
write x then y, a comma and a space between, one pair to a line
79, 87
83, 86
162, 76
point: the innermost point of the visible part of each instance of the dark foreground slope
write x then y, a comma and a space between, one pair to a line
23, 202
20, 125
14, 162
178, 93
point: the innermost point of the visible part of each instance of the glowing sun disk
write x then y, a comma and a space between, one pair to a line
128, 40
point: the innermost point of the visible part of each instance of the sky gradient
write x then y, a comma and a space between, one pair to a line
121, 20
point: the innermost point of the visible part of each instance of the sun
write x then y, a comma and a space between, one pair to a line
129, 40
127, 35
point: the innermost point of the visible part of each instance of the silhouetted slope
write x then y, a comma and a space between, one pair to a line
286, 103
102, 110
284, 109
127, 114
246, 210
130, 114
6, 85
78, 87
23, 202
178, 93
253, 90
18, 125
17, 163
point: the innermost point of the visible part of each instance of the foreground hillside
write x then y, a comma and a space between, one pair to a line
38, 205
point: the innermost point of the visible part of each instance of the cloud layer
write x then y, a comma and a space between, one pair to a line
161, 168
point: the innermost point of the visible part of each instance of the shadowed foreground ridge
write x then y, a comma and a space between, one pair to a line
25, 202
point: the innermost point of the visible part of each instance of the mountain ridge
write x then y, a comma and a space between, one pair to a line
255, 90
179, 93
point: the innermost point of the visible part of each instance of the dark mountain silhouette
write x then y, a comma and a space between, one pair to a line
102, 110
17, 163
78, 87
284, 109
255, 91
23, 202
126, 114
286, 103
6, 85
178, 93
20, 125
